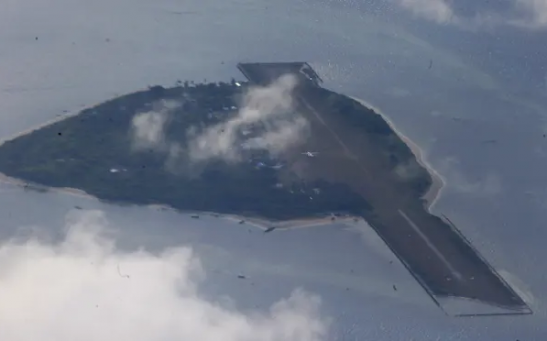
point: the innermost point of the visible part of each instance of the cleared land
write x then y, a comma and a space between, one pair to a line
442, 261
363, 168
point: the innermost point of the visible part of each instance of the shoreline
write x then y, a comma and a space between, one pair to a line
39, 126
431, 196
257, 222
438, 183
58, 118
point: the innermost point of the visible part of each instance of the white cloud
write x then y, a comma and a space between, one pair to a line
435, 10
534, 13
78, 290
486, 185
530, 14
148, 128
268, 111
409, 169
490, 184
270, 108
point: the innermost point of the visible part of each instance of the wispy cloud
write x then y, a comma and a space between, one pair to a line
148, 128
485, 185
435, 10
409, 169
84, 288
490, 184
270, 109
269, 112
530, 14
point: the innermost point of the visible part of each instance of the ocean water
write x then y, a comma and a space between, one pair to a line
87, 52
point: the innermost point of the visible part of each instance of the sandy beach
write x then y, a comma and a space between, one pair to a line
438, 182
262, 223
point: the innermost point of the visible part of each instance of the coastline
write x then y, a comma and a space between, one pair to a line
431, 196
39, 126
58, 118
437, 181
256, 222
21, 183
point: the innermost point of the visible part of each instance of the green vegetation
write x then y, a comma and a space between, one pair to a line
397, 155
82, 151
92, 151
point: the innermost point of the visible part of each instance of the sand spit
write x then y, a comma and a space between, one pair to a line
438, 182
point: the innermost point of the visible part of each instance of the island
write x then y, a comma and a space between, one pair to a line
277, 146
93, 152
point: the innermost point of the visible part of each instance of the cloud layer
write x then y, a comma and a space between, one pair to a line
83, 288
531, 14
535, 10
266, 121
148, 128
269, 109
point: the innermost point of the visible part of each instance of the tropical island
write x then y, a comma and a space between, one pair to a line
278, 147
93, 151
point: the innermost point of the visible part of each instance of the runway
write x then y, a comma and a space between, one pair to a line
433, 251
